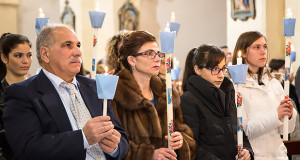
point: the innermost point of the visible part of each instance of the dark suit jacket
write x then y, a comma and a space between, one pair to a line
37, 125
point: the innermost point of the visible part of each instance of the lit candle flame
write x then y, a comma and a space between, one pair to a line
172, 17
239, 59
180, 83
167, 28
97, 7
41, 14
289, 13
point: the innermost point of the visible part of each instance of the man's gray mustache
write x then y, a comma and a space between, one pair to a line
75, 59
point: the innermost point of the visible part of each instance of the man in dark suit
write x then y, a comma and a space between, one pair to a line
38, 119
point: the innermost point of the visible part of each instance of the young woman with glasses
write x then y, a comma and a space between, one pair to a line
208, 105
140, 103
263, 100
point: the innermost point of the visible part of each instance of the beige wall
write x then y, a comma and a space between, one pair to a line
295, 8
28, 11
235, 28
269, 21
274, 27
195, 29
201, 22
9, 23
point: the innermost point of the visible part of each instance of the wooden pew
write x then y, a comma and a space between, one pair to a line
293, 147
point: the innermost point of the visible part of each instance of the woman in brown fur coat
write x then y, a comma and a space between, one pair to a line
140, 104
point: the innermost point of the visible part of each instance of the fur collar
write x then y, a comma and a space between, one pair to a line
133, 99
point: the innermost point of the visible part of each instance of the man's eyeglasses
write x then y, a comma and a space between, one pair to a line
151, 54
216, 70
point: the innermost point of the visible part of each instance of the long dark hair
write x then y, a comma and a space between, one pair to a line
9, 42
242, 44
205, 55
188, 69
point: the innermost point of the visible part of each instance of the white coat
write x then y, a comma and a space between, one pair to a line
260, 117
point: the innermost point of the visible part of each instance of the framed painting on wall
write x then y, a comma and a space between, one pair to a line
128, 17
242, 9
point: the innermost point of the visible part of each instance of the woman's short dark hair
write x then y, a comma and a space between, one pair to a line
205, 55
276, 63
9, 42
208, 55
132, 44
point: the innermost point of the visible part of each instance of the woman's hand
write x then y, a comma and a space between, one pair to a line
285, 108
245, 155
164, 154
176, 140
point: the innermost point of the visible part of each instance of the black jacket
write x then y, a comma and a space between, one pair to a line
211, 114
5, 150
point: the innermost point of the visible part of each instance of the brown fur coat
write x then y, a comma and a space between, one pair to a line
145, 124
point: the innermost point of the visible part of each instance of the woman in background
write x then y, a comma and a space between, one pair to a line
263, 100
112, 51
277, 66
208, 106
15, 50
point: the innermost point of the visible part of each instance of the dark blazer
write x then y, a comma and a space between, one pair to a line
211, 114
37, 125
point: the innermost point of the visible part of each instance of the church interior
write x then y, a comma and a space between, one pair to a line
201, 22
217, 22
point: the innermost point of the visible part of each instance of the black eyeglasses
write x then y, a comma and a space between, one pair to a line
151, 54
216, 70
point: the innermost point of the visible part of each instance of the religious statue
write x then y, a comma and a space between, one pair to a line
128, 17
68, 16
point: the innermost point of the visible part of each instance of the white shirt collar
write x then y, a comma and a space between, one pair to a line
56, 81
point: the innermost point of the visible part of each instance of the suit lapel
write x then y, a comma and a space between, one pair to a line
89, 95
53, 103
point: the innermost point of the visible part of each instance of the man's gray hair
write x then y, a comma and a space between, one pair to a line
47, 38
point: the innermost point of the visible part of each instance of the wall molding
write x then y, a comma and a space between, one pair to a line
9, 2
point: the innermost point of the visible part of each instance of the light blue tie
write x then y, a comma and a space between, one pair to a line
82, 115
